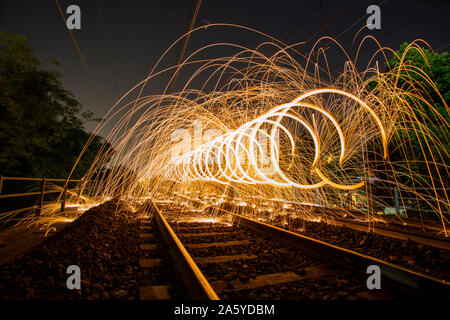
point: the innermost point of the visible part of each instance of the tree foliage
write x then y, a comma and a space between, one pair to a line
41, 128
426, 74
426, 64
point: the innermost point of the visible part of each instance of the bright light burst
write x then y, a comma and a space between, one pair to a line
255, 126
232, 157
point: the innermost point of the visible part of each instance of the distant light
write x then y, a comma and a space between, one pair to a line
72, 205
206, 220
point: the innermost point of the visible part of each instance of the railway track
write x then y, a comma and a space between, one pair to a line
428, 235
247, 259
156, 273
423, 252
398, 232
352, 219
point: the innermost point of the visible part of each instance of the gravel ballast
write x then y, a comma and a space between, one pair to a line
103, 242
412, 255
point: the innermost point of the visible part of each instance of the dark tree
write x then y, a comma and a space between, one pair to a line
41, 127
427, 73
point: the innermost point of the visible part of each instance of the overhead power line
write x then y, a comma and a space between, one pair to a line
182, 48
298, 25
337, 15
83, 60
113, 69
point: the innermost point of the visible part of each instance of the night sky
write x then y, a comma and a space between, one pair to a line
136, 33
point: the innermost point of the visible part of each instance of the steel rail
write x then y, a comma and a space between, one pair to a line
408, 281
389, 223
396, 232
397, 277
319, 209
195, 282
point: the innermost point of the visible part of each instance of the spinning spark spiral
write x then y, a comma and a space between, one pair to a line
223, 159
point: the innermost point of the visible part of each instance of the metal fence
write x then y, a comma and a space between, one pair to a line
41, 193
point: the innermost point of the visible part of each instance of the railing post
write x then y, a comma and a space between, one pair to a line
41, 200
397, 202
80, 190
63, 199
